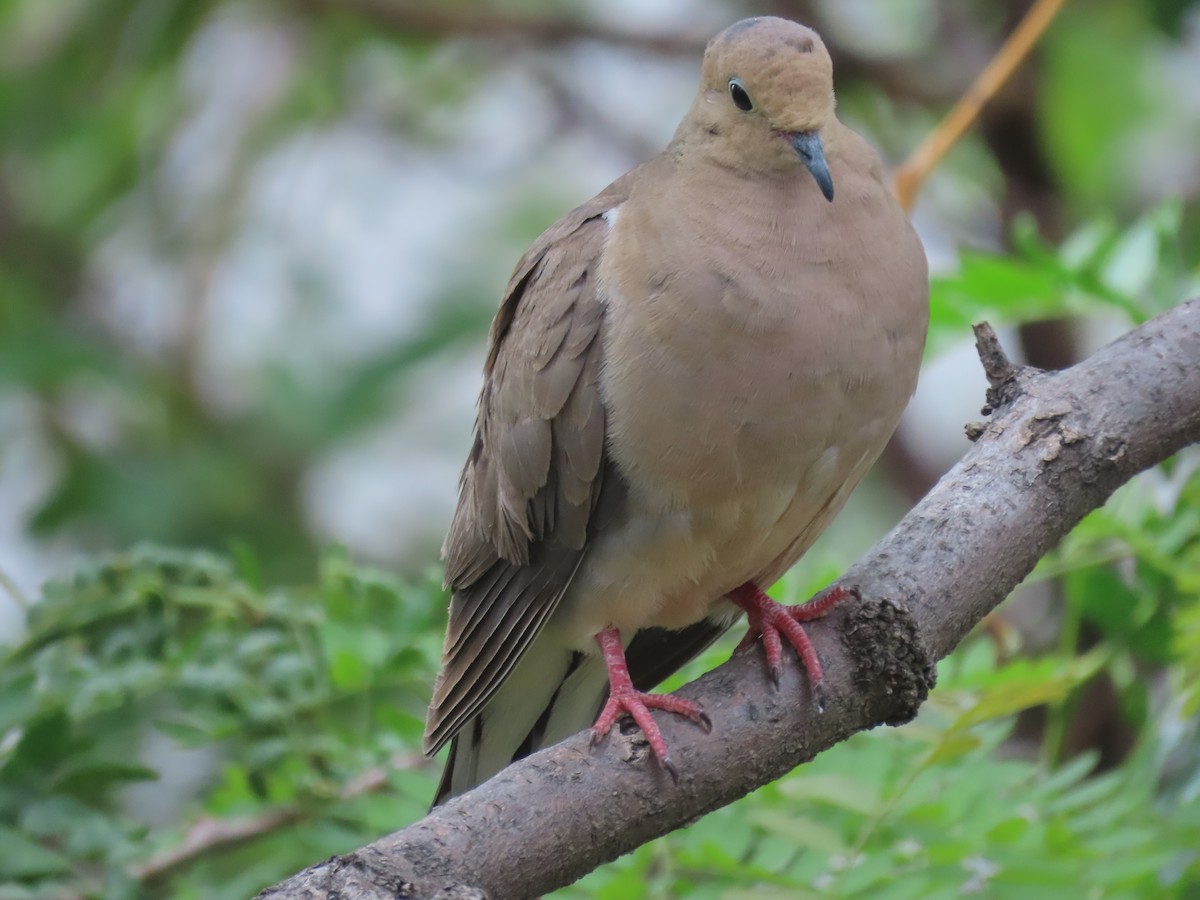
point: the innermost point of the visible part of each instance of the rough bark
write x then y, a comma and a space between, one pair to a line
1056, 446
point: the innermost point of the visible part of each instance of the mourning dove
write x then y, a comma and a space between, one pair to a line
686, 378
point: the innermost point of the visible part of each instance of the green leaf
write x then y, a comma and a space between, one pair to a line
841, 791
23, 858
18, 701
1093, 94
800, 830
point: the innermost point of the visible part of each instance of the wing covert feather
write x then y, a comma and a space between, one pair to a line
536, 471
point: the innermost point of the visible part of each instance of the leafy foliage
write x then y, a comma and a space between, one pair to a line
302, 709
1098, 271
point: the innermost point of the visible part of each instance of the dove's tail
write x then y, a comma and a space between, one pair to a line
552, 693
555, 692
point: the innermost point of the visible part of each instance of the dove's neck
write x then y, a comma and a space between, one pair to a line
747, 147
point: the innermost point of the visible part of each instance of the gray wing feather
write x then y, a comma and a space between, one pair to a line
534, 477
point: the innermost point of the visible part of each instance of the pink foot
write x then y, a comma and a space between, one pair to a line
773, 621
624, 698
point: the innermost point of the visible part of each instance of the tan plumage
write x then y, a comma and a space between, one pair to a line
687, 377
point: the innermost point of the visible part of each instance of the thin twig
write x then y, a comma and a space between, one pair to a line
11, 588
211, 833
911, 175
996, 364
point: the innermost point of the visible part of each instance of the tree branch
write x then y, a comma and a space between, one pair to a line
435, 20
1056, 447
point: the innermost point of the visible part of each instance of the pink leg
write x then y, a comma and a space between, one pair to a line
773, 621
624, 698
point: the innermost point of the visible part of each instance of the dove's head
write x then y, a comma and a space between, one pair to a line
766, 95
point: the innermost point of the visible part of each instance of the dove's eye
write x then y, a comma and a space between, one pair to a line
741, 99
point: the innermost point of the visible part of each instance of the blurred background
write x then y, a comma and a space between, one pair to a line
248, 256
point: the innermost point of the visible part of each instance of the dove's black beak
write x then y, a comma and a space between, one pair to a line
808, 145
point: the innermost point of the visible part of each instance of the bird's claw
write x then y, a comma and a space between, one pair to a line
773, 621
670, 767
637, 705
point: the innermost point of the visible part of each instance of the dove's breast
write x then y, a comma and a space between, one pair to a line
738, 423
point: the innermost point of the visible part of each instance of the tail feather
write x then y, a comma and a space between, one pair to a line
555, 692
